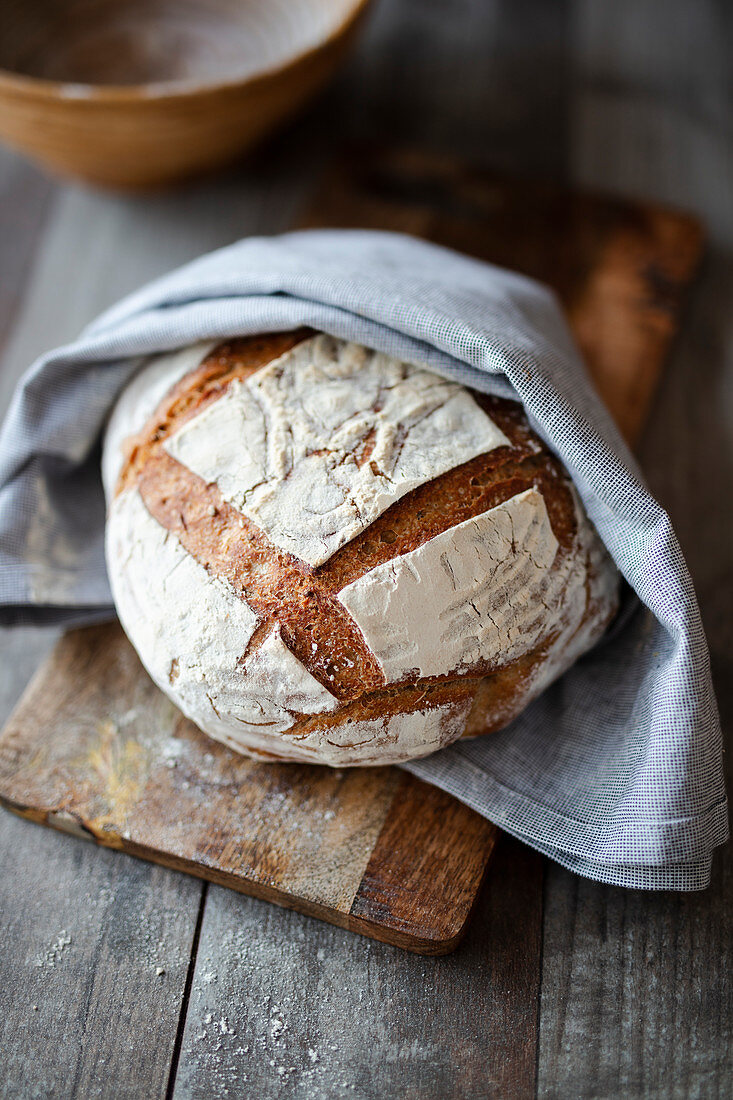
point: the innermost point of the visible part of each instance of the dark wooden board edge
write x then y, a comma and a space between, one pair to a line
405, 898
382, 907
403, 867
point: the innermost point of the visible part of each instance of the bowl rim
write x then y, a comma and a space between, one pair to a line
80, 92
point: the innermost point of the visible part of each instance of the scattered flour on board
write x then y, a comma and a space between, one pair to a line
55, 951
277, 1026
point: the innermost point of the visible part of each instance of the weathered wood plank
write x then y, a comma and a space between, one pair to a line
282, 1005
637, 998
25, 198
106, 1022
407, 875
83, 1008
95, 745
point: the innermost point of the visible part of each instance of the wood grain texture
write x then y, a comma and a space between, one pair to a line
82, 976
636, 989
282, 1006
82, 934
403, 875
96, 750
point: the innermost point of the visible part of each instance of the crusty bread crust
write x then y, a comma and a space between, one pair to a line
303, 600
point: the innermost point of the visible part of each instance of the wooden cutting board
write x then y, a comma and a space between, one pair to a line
94, 749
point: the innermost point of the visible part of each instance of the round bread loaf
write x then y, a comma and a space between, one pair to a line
324, 554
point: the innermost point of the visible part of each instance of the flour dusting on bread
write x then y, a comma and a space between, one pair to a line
325, 555
483, 592
192, 633
319, 443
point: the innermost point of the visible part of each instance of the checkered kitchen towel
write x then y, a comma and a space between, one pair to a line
616, 770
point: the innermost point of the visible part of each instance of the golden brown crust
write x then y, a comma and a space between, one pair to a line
279, 587
302, 599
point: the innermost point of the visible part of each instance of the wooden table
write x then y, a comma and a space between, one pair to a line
121, 979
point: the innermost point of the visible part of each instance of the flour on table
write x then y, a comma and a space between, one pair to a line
319, 443
482, 591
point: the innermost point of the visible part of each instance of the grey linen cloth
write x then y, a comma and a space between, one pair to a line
616, 771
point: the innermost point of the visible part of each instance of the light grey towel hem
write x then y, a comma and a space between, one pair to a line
693, 834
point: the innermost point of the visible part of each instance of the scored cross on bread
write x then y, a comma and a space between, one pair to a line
322, 553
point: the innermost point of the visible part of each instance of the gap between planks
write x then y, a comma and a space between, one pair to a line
185, 999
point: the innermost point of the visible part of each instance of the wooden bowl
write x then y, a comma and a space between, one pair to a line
137, 93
